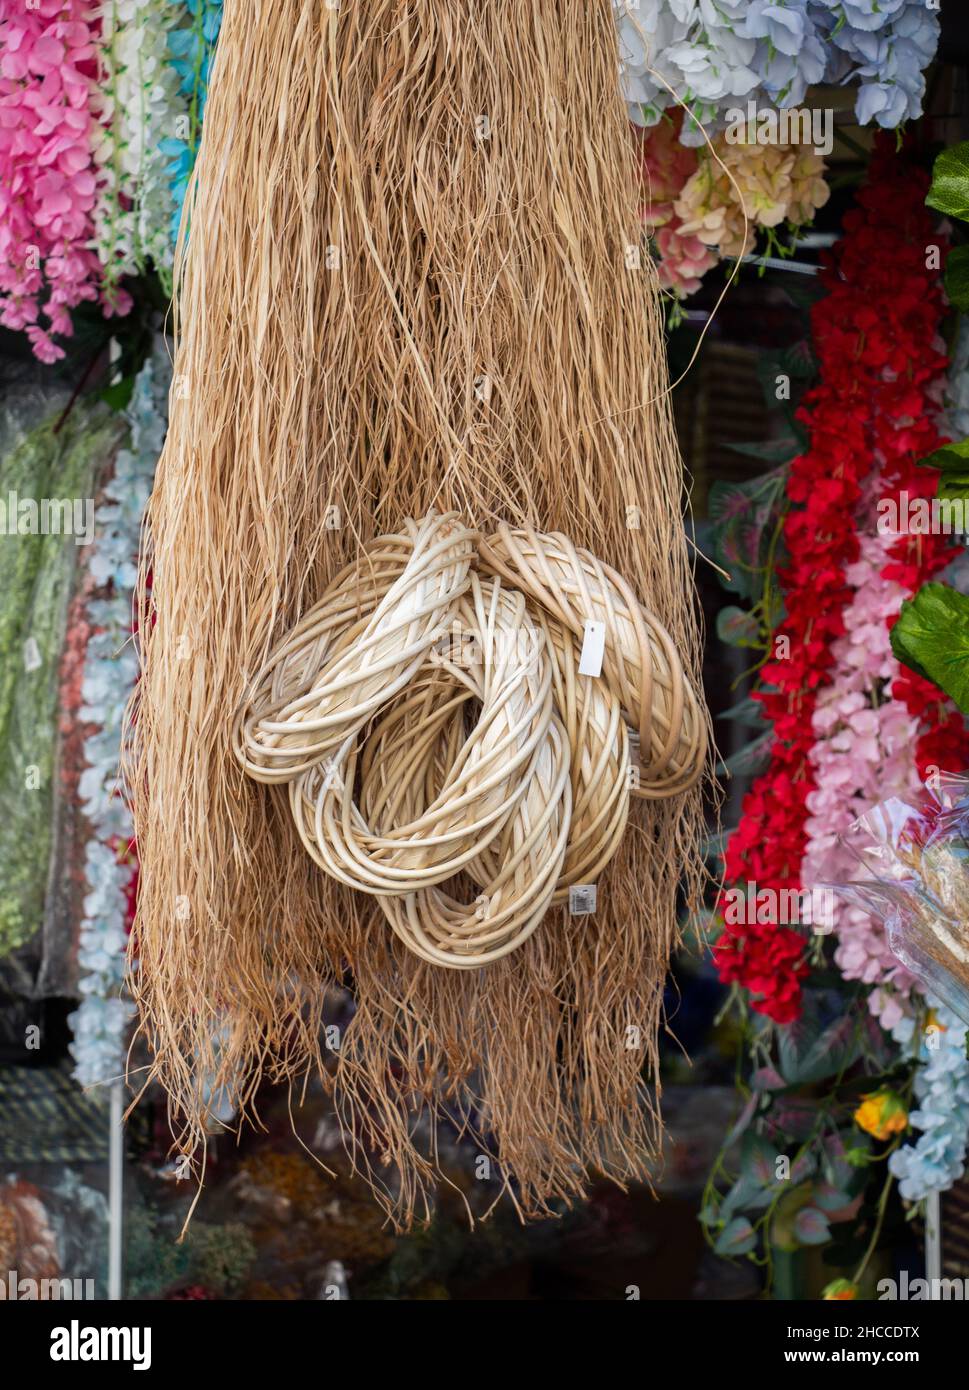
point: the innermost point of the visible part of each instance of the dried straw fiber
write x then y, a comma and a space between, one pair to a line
415, 277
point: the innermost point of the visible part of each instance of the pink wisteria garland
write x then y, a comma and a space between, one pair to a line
48, 183
863, 753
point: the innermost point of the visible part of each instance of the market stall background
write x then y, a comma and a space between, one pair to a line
816, 375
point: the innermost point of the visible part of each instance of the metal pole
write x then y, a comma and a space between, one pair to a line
933, 1243
116, 1193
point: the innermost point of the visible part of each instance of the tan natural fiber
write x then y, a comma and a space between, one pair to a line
415, 278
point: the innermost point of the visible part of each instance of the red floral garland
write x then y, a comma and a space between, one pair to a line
874, 335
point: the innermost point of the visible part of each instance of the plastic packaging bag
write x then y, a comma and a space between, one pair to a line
917, 856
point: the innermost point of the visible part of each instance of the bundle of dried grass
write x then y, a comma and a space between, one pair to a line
415, 278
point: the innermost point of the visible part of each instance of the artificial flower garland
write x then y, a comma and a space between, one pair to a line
102, 112
875, 400
703, 205
715, 54
937, 1157
36, 578
141, 105
861, 755
191, 50
110, 672
48, 180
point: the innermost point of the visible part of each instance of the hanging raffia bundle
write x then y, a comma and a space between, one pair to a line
414, 280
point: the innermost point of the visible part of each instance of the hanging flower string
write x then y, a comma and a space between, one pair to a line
110, 672
191, 50
113, 219
877, 392
702, 205
862, 754
937, 1157
718, 56
141, 106
48, 181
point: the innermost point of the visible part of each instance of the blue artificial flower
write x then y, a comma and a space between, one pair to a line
712, 52
110, 672
937, 1158
870, 14
191, 48
785, 26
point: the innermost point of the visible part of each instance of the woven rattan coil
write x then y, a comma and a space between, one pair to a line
431, 800
354, 649
442, 750
640, 663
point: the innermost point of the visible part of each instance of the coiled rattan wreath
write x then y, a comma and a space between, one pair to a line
430, 721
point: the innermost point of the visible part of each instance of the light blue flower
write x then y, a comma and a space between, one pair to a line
110, 671
937, 1158
870, 14
710, 53
784, 26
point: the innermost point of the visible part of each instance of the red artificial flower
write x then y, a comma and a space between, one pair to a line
874, 336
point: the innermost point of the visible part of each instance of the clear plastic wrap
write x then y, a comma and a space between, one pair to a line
916, 860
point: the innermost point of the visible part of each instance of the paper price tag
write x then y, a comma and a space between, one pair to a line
582, 899
593, 649
635, 749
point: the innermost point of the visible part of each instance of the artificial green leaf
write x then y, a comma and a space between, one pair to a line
758, 1159
841, 1170
829, 1199
748, 712
802, 1168
957, 278
931, 637
799, 360
749, 760
811, 1226
118, 396
737, 627
744, 516
949, 192
767, 1079
803, 291
771, 450
737, 1238
806, 1055
952, 460
746, 1195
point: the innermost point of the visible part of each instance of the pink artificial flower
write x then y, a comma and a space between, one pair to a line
47, 174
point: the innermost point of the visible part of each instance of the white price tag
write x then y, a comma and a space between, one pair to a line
593, 649
582, 899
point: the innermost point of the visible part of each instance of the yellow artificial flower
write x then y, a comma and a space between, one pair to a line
882, 1114
770, 183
